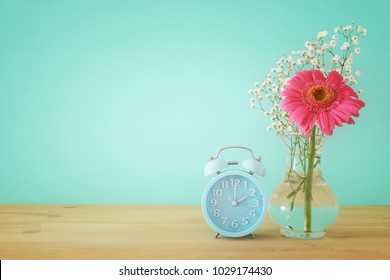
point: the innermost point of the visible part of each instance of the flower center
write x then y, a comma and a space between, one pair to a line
320, 96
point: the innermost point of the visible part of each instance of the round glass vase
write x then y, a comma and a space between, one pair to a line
303, 204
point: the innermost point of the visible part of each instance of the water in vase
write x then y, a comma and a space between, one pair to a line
322, 217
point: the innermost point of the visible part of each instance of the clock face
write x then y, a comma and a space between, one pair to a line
234, 203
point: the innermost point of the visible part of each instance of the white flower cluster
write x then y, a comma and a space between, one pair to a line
326, 54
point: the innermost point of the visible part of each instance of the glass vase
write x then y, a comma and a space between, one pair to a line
303, 204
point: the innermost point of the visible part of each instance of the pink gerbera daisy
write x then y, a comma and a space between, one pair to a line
310, 99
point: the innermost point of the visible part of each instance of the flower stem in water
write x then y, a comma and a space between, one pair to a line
309, 182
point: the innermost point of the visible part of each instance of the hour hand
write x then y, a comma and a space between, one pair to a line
243, 198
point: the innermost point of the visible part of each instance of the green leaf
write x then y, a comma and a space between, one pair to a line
292, 204
291, 194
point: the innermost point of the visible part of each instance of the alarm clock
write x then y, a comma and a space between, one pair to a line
234, 202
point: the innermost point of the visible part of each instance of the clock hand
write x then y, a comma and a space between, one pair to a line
234, 203
242, 212
243, 198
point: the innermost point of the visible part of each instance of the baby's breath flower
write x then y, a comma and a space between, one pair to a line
336, 59
352, 79
315, 62
318, 54
347, 28
322, 34
345, 46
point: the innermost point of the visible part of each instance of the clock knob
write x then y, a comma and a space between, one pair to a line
254, 166
214, 166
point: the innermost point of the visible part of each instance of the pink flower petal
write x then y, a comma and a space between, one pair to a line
309, 121
298, 114
312, 76
323, 122
290, 92
347, 91
336, 118
351, 106
334, 79
306, 132
303, 107
303, 78
291, 103
348, 108
318, 77
344, 117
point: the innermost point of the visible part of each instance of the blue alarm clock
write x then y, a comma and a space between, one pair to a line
234, 202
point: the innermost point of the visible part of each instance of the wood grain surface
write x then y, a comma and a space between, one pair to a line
144, 232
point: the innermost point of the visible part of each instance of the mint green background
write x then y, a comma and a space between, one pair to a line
124, 101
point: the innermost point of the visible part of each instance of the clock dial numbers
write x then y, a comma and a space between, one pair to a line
234, 224
224, 219
217, 192
232, 203
224, 184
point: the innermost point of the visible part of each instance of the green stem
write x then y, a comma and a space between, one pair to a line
309, 181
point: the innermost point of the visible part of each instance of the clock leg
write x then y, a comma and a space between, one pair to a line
253, 236
217, 234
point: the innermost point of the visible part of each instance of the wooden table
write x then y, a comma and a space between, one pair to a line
176, 232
